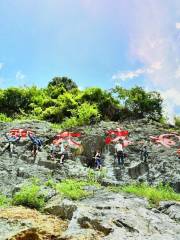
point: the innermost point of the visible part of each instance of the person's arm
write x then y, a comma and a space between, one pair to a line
29, 135
18, 138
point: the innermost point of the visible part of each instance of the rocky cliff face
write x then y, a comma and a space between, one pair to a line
161, 166
106, 215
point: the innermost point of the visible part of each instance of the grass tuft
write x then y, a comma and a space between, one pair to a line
74, 189
29, 196
153, 194
4, 201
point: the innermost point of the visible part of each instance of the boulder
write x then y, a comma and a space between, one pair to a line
60, 207
138, 169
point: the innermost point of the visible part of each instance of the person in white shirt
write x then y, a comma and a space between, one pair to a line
119, 152
63, 153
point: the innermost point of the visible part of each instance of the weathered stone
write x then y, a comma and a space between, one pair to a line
62, 208
174, 212
138, 169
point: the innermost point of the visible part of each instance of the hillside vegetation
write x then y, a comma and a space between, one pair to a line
63, 102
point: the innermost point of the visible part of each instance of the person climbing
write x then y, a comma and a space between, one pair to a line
144, 153
63, 152
12, 139
119, 152
37, 144
98, 161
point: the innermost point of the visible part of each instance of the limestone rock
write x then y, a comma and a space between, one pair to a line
62, 208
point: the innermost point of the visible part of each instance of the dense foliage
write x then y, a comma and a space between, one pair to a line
63, 102
139, 103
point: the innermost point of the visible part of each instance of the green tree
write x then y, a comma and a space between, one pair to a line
14, 100
65, 82
139, 103
107, 105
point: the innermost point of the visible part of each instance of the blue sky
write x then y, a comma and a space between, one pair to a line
94, 42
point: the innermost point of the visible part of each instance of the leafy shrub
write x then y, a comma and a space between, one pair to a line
96, 176
56, 126
4, 201
81, 115
50, 183
29, 196
107, 105
69, 123
153, 194
84, 113
4, 118
73, 189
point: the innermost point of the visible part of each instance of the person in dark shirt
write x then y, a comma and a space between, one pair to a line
144, 153
98, 160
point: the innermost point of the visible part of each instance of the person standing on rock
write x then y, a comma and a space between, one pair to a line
119, 152
98, 161
11, 141
144, 153
36, 144
63, 152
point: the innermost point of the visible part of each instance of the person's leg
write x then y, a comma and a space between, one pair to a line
98, 163
35, 151
52, 154
10, 149
62, 158
122, 158
119, 158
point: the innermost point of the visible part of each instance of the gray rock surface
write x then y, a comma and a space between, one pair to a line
111, 215
162, 164
105, 215
62, 208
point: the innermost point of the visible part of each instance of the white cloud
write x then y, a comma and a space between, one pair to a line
172, 95
123, 76
20, 76
155, 44
178, 25
171, 100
